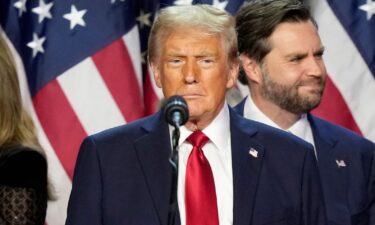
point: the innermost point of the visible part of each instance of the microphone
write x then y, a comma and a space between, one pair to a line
176, 111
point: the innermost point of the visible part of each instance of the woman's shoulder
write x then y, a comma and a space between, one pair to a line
21, 156
22, 167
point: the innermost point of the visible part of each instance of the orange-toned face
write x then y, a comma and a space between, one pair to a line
195, 65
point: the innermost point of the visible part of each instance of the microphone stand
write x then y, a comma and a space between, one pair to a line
173, 160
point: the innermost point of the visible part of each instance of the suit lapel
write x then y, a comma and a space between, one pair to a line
240, 107
154, 162
246, 169
333, 175
157, 170
325, 147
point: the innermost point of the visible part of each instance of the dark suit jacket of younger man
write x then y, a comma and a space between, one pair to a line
347, 169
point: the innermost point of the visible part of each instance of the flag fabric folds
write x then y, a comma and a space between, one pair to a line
347, 30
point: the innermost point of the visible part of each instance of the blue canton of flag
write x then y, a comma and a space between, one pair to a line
82, 68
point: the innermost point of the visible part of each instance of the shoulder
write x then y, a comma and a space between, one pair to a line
271, 137
24, 167
342, 135
120, 138
21, 156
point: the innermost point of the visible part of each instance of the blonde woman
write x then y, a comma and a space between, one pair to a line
23, 166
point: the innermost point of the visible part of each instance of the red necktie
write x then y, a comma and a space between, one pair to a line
200, 194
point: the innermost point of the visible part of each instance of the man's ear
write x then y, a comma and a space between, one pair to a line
251, 68
156, 73
233, 74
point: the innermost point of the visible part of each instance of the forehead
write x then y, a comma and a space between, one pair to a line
192, 39
295, 36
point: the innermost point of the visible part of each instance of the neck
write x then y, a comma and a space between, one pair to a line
202, 121
284, 119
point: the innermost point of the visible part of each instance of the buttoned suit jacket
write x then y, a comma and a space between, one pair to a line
347, 170
123, 177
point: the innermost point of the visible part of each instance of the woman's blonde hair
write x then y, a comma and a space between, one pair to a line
16, 126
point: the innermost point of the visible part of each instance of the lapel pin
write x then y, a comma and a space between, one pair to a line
340, 163
253, 153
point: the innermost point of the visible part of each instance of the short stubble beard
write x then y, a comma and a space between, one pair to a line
287, 96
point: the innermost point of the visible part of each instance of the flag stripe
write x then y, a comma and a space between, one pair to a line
89, 97
115, 66
64, 131
347, 69
334, 108
132, 39
150, 96
361, 33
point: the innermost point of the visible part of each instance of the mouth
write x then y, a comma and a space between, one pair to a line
312, 88
312, 85
191, 96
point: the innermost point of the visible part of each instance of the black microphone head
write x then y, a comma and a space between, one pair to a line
176, 111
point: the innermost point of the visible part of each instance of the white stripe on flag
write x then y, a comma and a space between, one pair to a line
60, 184
90, 97
131, 40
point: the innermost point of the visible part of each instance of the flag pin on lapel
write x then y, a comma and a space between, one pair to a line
340, 163
253, 153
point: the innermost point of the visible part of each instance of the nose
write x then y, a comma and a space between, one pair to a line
315, 67
189, 72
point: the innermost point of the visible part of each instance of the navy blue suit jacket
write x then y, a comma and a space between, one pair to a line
348, 189
123, 177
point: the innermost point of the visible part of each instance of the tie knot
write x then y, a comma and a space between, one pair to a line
198, 139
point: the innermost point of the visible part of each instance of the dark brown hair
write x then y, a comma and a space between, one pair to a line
256, 21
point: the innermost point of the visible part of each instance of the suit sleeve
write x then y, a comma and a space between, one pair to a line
85, 199
312, 194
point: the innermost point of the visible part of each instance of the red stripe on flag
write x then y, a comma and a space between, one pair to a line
116, 68
150, 98
60, 123
334, 108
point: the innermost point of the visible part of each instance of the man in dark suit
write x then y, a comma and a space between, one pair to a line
246, 173
281, 55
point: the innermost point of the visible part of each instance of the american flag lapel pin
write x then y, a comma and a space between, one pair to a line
253, 153
340, 163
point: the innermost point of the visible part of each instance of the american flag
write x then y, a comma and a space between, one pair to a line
82, 68
347, 30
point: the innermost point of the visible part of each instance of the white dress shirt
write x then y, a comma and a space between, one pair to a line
301, 128
219, 155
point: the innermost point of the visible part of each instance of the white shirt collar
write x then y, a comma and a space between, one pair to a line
300, 128
217, 131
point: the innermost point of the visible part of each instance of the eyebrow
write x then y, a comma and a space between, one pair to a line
320, 51
303, 55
